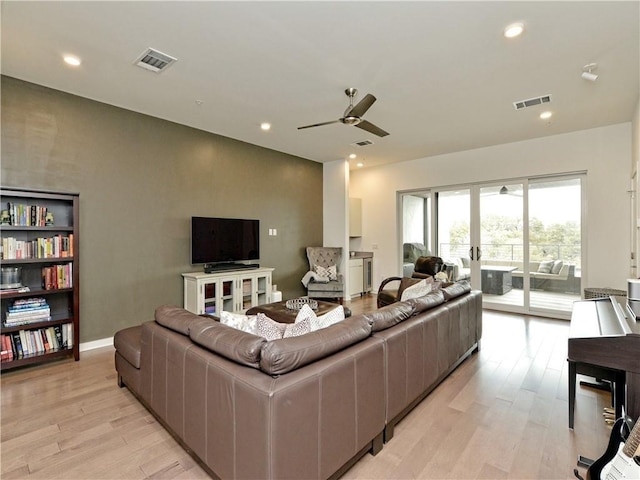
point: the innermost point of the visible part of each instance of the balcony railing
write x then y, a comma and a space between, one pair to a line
537, 252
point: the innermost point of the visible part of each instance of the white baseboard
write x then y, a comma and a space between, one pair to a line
104, 342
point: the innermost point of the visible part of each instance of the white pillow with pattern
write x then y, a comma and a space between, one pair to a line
416, 290
329, 272
296, 329
323, 321
317, 322
268, 328
246, 323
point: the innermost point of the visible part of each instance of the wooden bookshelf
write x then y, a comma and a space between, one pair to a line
47, 255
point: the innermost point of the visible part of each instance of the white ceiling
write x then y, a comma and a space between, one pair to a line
444, 75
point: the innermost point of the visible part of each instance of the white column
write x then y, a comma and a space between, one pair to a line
335, 212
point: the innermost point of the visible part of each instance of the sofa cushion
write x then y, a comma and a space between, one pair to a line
455, 290
427, 302
127, 344
241, 347
546, 266
557, 266
175, 318
389, 315
287, 354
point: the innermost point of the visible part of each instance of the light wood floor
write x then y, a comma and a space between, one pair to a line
501, 414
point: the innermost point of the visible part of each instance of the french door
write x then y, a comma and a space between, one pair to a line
517, 241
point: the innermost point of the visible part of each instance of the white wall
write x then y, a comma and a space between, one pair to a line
604, 153
635, 185
335, 212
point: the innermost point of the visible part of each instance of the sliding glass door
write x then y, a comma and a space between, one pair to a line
415, 227
555, 252
501, 242
517, 241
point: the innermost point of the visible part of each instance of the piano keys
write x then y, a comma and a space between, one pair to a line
604, 341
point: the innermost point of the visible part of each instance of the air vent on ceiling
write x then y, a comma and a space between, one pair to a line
531, 102
154, 60
362, 143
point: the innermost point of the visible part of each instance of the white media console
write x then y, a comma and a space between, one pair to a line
229, 290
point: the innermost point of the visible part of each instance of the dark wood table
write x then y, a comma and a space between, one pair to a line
279, 312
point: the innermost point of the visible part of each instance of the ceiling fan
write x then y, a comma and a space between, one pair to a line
505, 191
353, 114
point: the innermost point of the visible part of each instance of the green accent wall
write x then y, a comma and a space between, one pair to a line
140, 180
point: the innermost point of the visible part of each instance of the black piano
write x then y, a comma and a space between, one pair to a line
604, 342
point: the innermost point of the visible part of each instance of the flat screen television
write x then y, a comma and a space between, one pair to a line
224, 242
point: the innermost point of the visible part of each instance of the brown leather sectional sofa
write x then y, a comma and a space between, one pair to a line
300, 407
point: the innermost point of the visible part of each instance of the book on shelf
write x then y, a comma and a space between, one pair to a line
56, 246
17, 344
11, 291
58, 333
27, 310
57, 276
4, 354
27, 215
40, 341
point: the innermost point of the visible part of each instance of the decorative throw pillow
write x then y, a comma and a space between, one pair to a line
268, 328
304, 313
334, 316
557, 266
298, 328
246, 323
329, 272
545, 267
417, 290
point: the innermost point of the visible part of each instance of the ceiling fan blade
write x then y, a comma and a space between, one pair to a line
371, 128
319, 124
362, 106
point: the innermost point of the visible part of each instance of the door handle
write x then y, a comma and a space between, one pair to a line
478, 253
471, 253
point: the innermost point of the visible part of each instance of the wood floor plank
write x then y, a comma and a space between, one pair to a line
501, 414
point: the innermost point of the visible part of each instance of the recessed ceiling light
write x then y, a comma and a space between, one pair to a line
514, 30
545, 115
352, 155
265, 126
360, 164
72, 60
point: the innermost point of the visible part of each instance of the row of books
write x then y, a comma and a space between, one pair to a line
57, 276
57, 246
24, 311
27, 215
28, 343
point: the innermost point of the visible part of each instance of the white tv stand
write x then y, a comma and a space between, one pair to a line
228, 290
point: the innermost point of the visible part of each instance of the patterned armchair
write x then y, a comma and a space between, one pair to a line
320, 260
